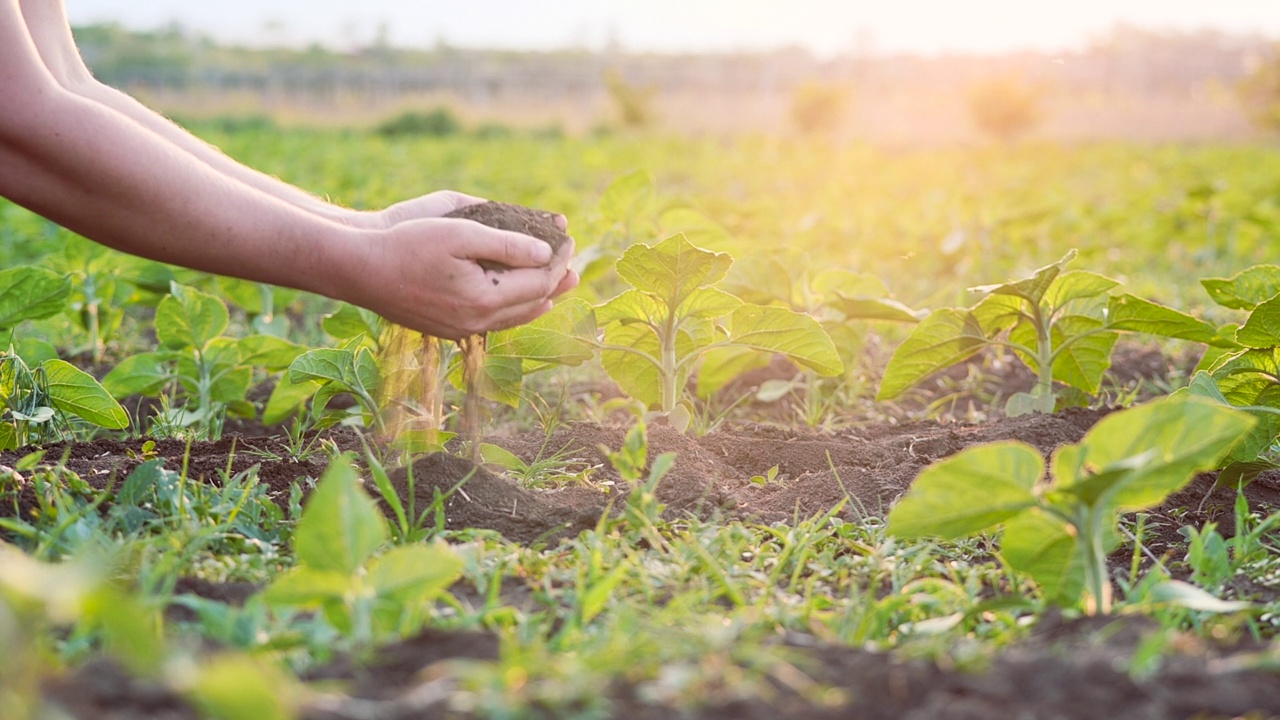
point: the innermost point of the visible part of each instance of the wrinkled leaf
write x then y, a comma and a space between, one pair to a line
31, 293
789, 333
1262, 329
672, 269
1133, 314
1246, 289
189, 318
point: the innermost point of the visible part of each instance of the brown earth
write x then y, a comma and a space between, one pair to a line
517, 218
1067, 670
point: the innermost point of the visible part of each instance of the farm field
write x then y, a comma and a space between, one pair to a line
828, 431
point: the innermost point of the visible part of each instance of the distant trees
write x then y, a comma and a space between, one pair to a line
1260, 92
633, 103
819, 108
1005, 107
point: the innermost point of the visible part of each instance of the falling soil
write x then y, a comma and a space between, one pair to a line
1076, 669
503, 216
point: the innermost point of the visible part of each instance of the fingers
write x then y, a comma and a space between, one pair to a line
515, 250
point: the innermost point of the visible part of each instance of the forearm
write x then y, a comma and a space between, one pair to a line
126, 105
100, 173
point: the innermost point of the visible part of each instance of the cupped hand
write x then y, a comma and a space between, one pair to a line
423, 274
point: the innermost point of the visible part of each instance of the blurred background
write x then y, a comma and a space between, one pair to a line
914, 73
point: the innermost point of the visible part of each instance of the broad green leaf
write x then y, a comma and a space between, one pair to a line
1022, 403
228, 379
637, 376
1083, 358
1045, 548
1184, 435
561, 336
627, 197
269, 352
862, 307
414, 573
1261, 436
141, 374
767, 280
707, 303
948, 336
189, 318
969, 492
672, 269
1242, 377
996, 313
76, 392
1133, 314
1246, 289
354, 370
340, 526
350, 321
245, 293
308, 587
721, 365
131, 629
31, 293
1076, 285
779, 330
1262, 329
631, 306
286, 399
234, 687
1031, 289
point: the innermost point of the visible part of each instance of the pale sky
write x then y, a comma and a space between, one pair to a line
825, 26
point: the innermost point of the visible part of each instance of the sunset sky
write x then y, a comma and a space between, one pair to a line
825, 26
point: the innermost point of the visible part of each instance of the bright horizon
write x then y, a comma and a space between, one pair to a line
823, 26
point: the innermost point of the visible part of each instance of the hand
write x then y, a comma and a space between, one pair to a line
423, 274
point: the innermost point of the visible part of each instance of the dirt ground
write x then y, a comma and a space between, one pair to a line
1069, 669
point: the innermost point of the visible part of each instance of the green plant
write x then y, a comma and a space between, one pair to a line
633, 102
1062, 325
440, 122
214, 372
1259, 92
1060, 532
363, 596
35, 404
672, 321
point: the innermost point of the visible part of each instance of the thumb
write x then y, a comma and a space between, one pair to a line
512, 249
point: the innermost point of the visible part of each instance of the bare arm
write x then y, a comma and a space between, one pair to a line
109, 178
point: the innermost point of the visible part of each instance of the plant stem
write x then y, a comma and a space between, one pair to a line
1092, 531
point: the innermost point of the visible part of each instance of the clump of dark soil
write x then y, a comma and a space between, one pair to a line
516, 218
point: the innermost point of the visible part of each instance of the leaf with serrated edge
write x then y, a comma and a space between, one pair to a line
789, 333
672, 269
1262, 329
969, 492
1246, 289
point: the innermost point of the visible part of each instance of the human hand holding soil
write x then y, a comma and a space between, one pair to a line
451, 278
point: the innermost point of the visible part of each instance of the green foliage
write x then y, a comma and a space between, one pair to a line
1060, 532
363, 596
214, 372
352, 369
440, 122
655, 334
35, 404
1062, 325
1259, 92
30, 293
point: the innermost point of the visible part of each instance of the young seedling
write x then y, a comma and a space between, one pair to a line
1060, 531
1062, 325
653, 337
214, 372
